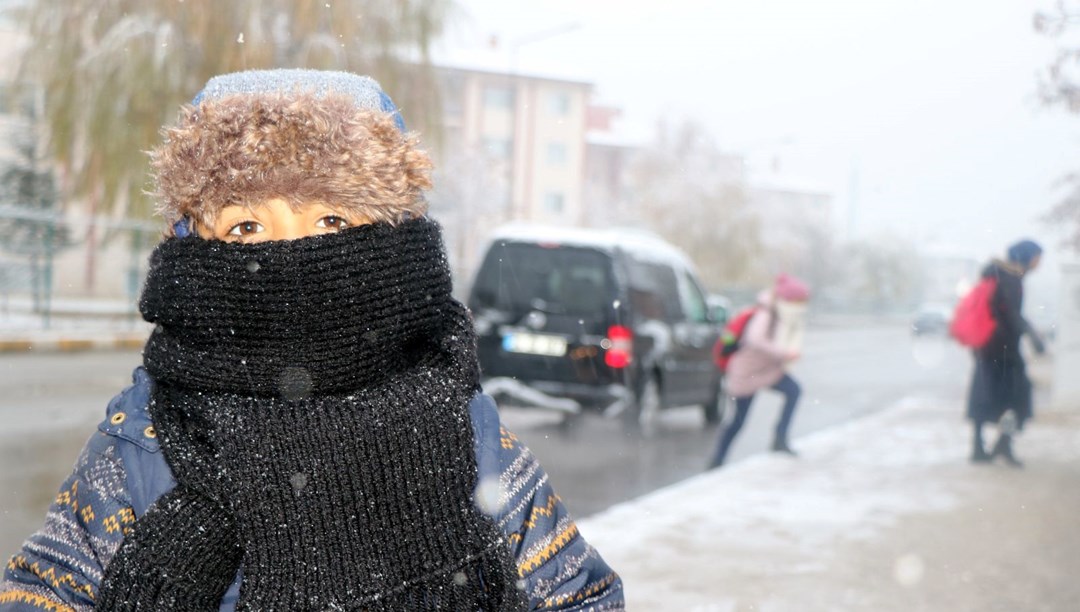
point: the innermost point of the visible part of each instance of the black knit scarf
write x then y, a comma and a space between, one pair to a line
311, 399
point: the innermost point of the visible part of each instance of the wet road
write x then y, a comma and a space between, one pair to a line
50, 404
844, 373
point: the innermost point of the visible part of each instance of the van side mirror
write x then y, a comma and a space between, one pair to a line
718, 314
719, 310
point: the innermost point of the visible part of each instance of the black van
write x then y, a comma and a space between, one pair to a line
614, 320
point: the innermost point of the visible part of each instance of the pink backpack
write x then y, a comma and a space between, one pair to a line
729, 341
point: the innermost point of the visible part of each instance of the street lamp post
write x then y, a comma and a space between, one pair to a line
520, 118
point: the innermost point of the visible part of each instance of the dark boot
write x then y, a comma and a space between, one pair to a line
978, 452
780, 445
1003, 449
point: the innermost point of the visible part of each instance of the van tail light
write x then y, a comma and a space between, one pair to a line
620, 346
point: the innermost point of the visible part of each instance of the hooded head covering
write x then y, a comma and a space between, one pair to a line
1024, 252
299, 135
791, 289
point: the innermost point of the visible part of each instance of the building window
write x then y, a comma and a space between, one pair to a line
556, 153
559, 104
499, 97
553, 202
498, 148
453, 95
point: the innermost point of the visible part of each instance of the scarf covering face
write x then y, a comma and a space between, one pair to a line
311, 399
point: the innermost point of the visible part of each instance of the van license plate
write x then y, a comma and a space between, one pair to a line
535, 344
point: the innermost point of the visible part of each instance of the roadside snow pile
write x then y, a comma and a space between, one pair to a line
771, 516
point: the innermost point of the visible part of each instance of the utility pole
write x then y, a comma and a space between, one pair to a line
523, 111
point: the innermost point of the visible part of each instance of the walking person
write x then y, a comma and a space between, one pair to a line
1000, 388
772, 339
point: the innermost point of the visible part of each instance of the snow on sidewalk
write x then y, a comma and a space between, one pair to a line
883, 513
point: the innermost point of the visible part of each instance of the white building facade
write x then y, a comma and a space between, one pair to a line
513, 149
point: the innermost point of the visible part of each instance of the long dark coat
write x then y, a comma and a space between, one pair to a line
1000, 382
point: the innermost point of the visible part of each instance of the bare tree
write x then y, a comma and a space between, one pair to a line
113, 71
694, 195
1059, 85
470, 199
883, 274
1060, 82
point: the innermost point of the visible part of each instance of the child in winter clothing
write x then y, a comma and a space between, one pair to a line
1000, 386
771, 340
308, 431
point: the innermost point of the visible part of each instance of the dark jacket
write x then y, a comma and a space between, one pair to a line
1000, 382
121, 471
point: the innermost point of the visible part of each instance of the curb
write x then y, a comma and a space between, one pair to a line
70, 344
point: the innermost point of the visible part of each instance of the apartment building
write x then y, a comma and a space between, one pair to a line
512, 149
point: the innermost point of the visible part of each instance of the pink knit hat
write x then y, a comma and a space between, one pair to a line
791, 289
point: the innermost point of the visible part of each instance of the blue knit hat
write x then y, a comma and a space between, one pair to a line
364, 90
1024, 251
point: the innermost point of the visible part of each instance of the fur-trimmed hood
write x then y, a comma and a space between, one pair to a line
294, 135
1009, 267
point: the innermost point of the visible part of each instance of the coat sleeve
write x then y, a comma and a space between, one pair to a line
60, 566
1009, 305
559, 569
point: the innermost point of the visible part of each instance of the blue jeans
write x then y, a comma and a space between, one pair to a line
791, 391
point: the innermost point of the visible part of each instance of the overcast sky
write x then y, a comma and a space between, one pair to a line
924, 114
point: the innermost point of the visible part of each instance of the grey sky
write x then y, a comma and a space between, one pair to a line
928, 107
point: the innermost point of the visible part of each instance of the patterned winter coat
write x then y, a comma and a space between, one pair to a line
121, 472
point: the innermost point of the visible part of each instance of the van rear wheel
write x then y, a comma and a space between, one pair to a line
642, 414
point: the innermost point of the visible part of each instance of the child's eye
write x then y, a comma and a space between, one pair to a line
332, 222
246, 228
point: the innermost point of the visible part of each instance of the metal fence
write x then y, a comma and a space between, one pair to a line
70, 268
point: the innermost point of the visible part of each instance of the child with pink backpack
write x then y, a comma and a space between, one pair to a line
770, 340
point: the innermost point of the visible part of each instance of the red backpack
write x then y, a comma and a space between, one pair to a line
730, 339
973, 322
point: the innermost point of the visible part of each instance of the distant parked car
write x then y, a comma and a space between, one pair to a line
604, 319
931, 320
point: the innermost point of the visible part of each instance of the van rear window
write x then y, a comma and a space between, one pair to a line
518, 277
654, 290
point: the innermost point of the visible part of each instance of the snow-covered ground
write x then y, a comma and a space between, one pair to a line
854, 523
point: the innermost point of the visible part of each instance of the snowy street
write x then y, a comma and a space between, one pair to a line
881, 511
563, 306
51, 402
884, 513
846, 372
